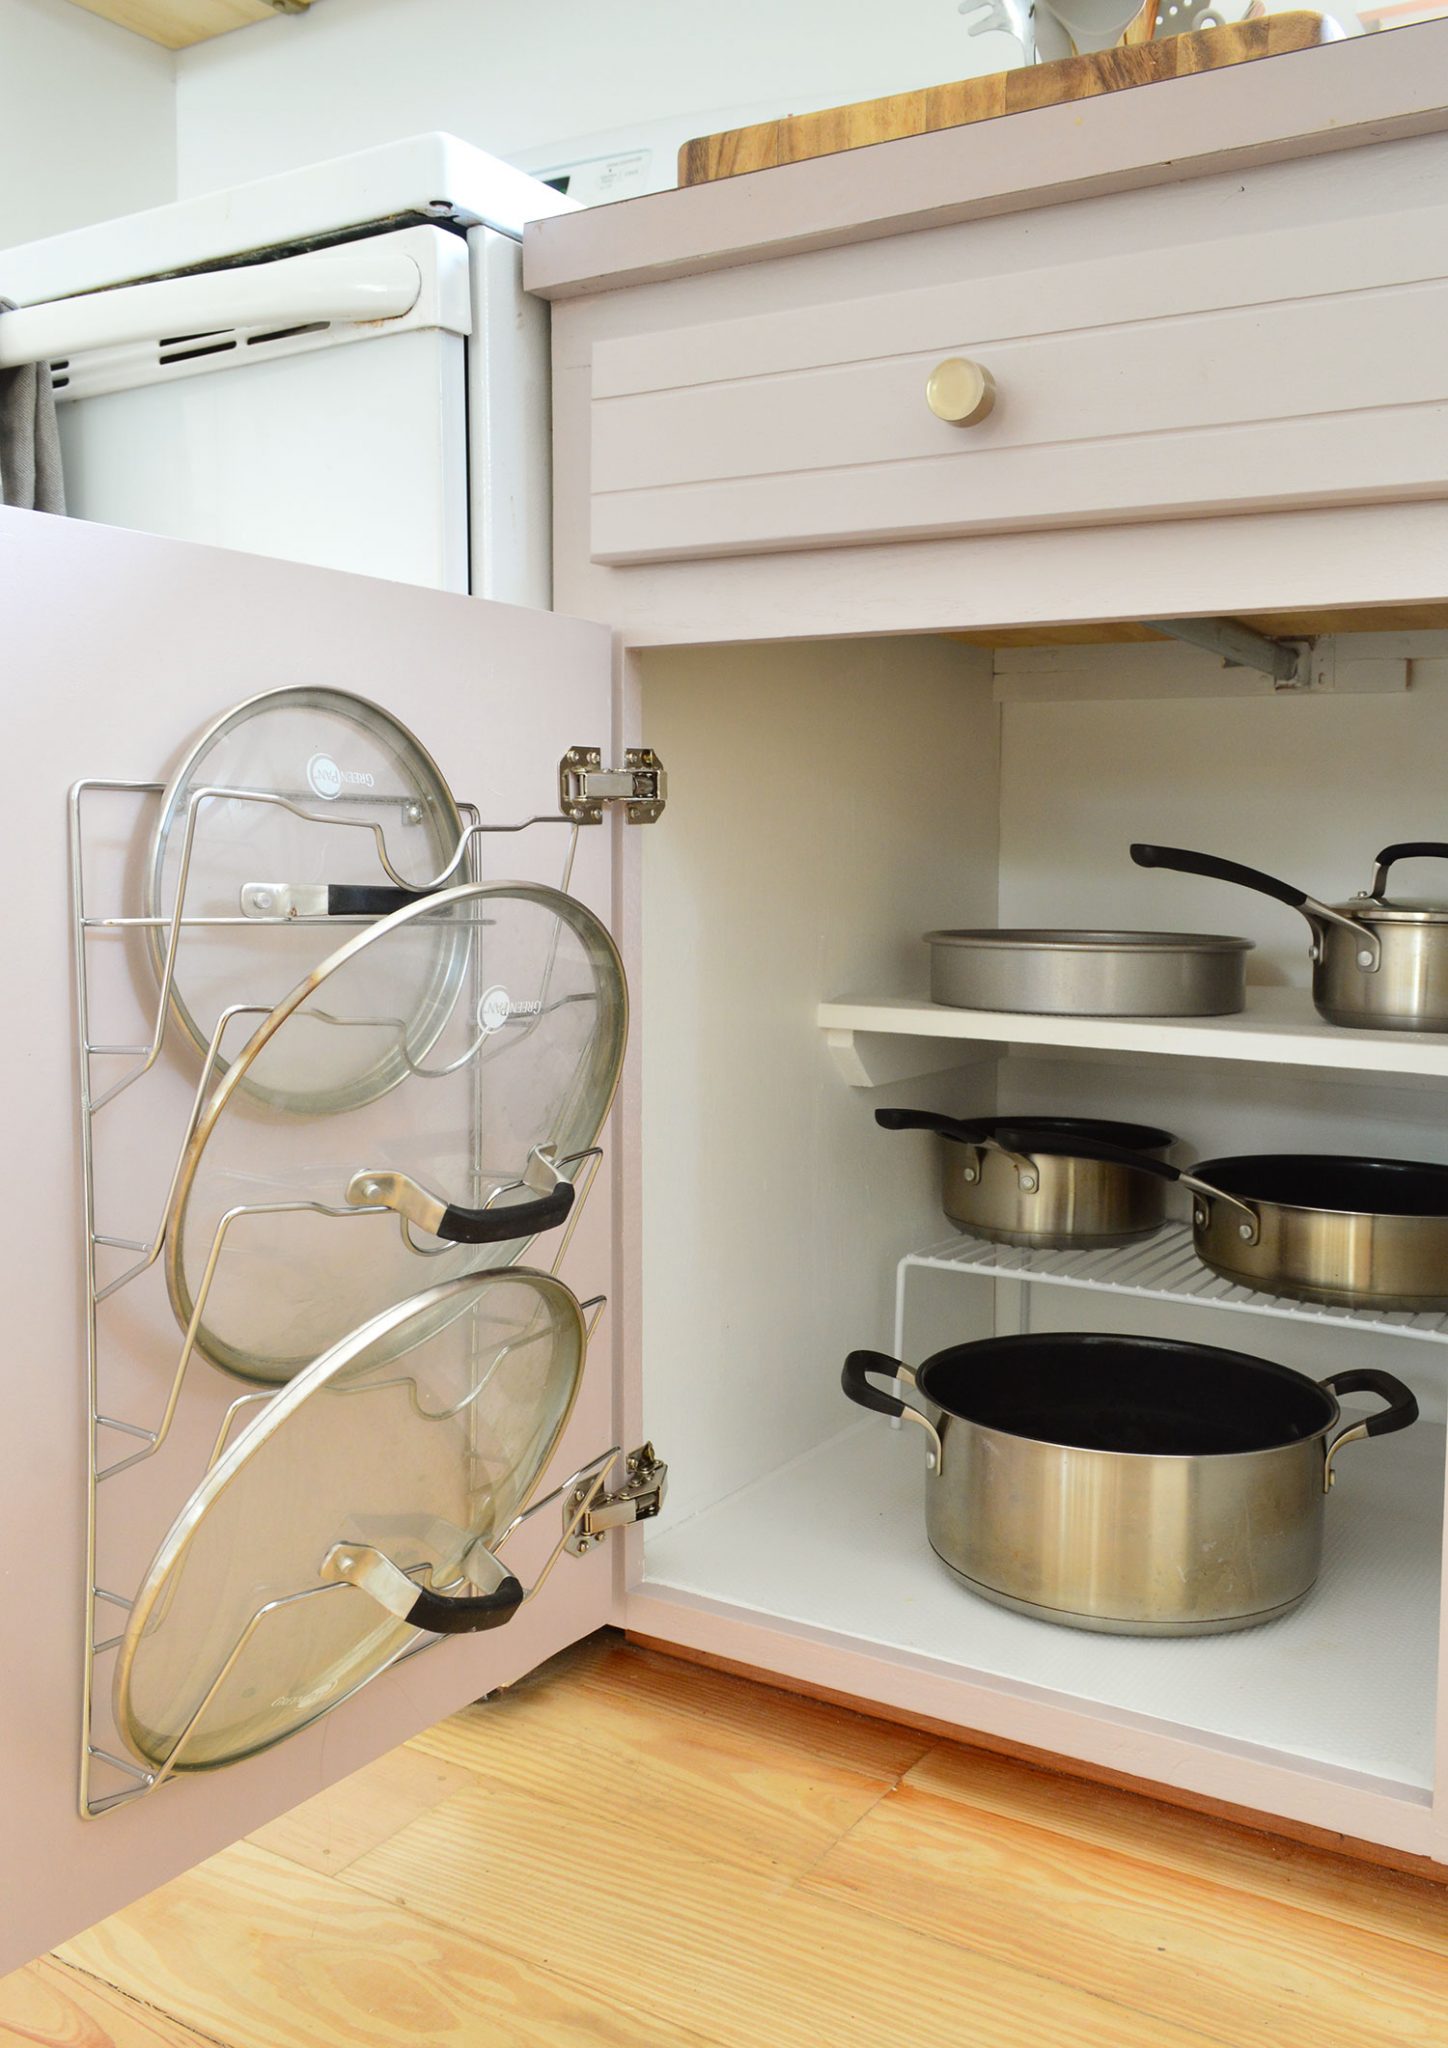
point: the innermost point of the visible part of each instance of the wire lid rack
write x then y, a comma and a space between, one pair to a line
150, 1415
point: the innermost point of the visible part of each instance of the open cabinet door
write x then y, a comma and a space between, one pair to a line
120, 650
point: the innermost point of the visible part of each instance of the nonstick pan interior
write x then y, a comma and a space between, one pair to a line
1148, 1396
1309, 1180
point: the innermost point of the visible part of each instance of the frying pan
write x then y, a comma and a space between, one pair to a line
1360, 1233
1376, 964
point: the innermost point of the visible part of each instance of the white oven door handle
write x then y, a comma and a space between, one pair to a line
361, 282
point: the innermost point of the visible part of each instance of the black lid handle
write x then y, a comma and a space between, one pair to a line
497, 1225
372, 1572
1407, 849
465, 1614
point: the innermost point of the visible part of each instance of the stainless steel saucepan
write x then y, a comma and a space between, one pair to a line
1136, 1485
1377, 964
1042, 1191
1361, 1233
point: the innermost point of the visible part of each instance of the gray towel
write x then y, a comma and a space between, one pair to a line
29, 438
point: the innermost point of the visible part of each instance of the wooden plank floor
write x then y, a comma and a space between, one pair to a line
629, 1852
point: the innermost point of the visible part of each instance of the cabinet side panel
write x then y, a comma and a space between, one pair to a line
828, 804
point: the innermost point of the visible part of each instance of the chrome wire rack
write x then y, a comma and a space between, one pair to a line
114, 1263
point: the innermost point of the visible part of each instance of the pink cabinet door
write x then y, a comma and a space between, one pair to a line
119, 648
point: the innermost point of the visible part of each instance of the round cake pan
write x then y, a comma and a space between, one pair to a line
1090, 974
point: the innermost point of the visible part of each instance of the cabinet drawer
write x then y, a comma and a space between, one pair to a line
1271, 370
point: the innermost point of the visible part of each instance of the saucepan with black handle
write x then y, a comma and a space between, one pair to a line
1377, 963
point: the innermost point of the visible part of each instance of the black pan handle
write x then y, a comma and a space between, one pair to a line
359, 899
1215, 870
930, 1120
516, 1219
855, 1384
1021, 1138
465, 1614
1407, 849
1121, 1155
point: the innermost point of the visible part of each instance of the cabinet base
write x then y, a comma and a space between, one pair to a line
1249, 1819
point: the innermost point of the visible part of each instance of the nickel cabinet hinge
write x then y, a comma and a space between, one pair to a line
585, 785
637, 1500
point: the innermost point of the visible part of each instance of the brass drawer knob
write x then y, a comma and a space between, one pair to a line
960, 391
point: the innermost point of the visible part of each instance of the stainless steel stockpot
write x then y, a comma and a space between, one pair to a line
1133, 1485
1038, 1190
1377, 965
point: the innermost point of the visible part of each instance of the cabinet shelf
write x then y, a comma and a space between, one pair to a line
1163, 1267
1279, 1027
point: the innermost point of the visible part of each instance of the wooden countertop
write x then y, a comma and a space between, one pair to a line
767, 144
1368, 89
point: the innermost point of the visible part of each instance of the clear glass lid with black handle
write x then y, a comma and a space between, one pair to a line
358, 1512
286, 1231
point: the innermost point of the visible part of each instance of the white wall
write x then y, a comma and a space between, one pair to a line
87, 120
513, 76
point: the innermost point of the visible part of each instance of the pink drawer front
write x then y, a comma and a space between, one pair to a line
1271, 370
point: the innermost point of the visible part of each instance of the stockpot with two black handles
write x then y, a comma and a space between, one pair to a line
1134, 1485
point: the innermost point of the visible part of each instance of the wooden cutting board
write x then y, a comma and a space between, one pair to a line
798, 136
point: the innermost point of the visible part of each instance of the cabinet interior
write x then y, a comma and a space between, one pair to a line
829, 803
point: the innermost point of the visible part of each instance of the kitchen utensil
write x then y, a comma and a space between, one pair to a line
286, 1233
409, 1449
1376, 964
1360, 1233
329, 802
1090, 974
1089, 25
1135, 1485
1040, 1192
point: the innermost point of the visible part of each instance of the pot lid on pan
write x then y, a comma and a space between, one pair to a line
287, 1232
421, 1436
331, 792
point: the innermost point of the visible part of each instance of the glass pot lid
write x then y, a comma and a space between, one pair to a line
419, 1438
286, 1231
339, 811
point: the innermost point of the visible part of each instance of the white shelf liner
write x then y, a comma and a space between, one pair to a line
835, 1540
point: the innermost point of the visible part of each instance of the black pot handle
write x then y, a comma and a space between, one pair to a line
964, 1133
1402, 1408
1216, 870
1401, 1411
855, 1384
1408, 849
464, 1614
